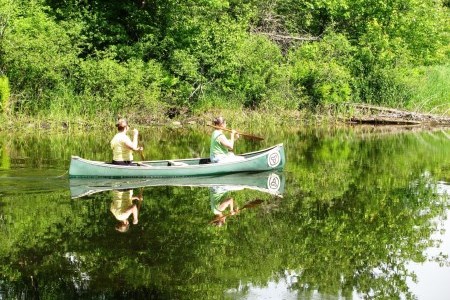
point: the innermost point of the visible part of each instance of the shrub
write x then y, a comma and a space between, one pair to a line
38, 56
379, 67
319, 72
107, 85
251, 73
4, 94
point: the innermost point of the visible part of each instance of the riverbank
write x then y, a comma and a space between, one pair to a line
349, 114
238, 118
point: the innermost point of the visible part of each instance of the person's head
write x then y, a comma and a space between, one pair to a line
122, 226
219, 121
219, 222
122, 124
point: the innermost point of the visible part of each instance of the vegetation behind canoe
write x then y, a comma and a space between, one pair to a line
171, 58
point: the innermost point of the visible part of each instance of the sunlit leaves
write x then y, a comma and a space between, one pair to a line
318, 68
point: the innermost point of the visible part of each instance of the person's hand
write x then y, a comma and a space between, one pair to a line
135, 131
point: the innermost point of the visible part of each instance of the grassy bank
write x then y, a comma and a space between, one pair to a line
244, 119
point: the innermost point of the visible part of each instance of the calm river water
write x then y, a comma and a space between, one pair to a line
360, 213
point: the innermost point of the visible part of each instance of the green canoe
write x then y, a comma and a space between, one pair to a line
269, 159
267, 182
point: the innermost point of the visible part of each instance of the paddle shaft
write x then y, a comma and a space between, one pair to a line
240, 133
141, 153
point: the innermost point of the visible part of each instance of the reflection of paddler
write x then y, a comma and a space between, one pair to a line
220, 219
220, 200
122, 207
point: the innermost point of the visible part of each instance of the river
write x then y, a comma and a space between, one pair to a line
360, 212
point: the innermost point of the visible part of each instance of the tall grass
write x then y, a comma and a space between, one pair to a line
431, 89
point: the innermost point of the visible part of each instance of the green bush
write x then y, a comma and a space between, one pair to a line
188, 80
379, 67
319, 72
39, 55
384, 86
251, 72
4, 94
109, 86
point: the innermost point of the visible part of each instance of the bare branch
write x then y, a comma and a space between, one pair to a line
289, 37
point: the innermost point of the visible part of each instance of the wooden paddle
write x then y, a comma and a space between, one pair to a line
141, 153
250, 204
141, 197
250, 136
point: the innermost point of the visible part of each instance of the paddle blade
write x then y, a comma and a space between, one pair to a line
253, 203
251, 137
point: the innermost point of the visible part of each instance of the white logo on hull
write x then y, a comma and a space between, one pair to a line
273, 158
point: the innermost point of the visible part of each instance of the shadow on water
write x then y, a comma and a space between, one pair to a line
357, 209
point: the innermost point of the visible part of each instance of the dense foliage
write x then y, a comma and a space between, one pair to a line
77, 57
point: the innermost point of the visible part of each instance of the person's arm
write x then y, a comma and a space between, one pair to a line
133, 144
227, 203
227, 143
135, 214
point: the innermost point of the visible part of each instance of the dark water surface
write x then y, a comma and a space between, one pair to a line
363, 215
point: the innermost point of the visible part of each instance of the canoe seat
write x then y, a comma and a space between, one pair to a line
176, 163
204, 161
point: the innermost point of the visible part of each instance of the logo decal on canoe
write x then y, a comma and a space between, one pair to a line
273, 182
273, 159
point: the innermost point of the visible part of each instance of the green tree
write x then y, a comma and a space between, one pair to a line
39, 56
320, 71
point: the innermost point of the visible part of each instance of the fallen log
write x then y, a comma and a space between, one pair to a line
383, 121
378, 115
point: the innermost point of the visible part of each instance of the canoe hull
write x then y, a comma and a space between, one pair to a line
265, 160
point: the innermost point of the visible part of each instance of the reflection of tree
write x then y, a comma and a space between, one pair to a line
354, 214
364, 241
381, 218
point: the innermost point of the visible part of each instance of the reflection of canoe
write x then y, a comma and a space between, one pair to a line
268, 182
265, 160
